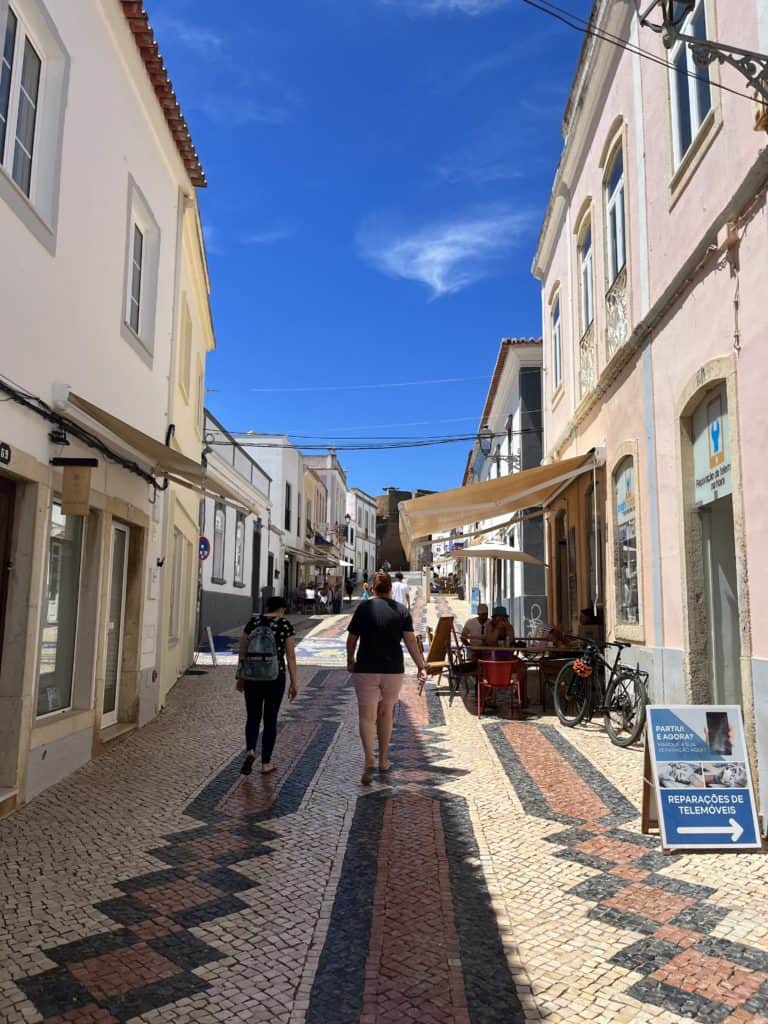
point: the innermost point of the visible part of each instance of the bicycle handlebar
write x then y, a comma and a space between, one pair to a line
587, 641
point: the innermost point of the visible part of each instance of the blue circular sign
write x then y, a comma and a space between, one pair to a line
205, 548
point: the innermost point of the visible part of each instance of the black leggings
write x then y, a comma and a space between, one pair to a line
263, 698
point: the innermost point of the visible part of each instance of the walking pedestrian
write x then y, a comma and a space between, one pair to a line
377, 667
349, 586
267, 646
366, 592
401, 592
336, 597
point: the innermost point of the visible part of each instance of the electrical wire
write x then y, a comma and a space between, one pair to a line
568, 18
355, 387
362, 446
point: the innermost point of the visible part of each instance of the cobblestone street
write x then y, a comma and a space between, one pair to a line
499, 876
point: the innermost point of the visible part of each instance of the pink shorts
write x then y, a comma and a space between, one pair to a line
372, 687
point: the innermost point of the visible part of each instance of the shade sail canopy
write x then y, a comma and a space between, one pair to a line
157, 455
492, 551
445, 510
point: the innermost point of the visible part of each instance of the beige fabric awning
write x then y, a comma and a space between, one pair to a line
445, 510
491, 551
218, 488
157, 455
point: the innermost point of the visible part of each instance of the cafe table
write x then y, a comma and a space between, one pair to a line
534, 652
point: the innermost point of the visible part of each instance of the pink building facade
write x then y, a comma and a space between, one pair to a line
653, 261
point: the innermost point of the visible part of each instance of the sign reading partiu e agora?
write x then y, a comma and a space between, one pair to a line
701, 777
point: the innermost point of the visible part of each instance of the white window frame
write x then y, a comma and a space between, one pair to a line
697, 116
185, 350
627, 461
139, 215
22, 39
177, 569
557, 342
615, 226
586, 265
219, 544
38, 209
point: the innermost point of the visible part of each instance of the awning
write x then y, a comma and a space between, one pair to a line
445, 510
159, 456
491, 551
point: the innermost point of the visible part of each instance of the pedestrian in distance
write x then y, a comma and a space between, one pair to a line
377, 667
349, 586
401, 592
366, 592
336, 597
267, 647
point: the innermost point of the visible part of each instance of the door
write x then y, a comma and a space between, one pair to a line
7, 501
118, 574
722, 600
256, 567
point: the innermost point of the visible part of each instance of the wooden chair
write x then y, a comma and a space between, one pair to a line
436, 658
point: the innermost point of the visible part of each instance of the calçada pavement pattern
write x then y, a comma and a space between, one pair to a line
498, 875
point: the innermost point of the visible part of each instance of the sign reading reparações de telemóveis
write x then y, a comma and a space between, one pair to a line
701, 777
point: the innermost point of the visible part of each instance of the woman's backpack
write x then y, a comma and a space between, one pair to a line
260, 664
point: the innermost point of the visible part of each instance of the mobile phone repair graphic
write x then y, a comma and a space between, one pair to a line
702, 778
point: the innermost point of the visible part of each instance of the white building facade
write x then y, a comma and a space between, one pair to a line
90, 227
361, 534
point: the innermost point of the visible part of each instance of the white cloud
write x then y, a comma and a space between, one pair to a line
472, 7
448, 255
269, 236
226, 110
203, 41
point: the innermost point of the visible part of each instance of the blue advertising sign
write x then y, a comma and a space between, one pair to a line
701, 777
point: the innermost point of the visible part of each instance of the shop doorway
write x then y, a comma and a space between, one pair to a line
720, 588
118, 579
7, 502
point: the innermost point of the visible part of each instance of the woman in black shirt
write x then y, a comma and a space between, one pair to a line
377, 667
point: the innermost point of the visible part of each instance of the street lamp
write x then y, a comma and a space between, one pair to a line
485, 440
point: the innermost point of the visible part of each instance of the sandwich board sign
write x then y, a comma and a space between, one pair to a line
699, 772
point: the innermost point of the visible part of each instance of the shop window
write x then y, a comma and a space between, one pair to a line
60, 612
616, 255
239, 549
625, 554
557, 346
177, 573
586, 277
690, 88
219, 542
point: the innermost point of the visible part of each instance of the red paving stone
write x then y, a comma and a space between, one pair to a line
678, 936
122, 971
648, 901
254, 793
179, 895
711, 977
563, 789
90, 1014
413, 936
611, 849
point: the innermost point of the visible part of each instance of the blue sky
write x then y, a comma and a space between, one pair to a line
378, 171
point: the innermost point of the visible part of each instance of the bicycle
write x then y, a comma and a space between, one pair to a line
581, 691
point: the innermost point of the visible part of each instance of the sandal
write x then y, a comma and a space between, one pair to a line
267, 768
367, 777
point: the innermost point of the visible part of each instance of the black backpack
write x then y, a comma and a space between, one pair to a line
261, 664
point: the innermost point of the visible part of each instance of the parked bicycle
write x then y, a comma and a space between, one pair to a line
590, 685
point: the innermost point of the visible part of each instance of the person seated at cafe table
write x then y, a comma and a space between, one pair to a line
500, 631
475, 628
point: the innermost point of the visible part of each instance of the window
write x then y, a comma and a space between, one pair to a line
298, 513
586, 282
142, 260
625, 556
59, 628
614, 212
287, 522
185, 350
219, 541
239, 549
177, 574
690, 90
19, 91
199, 399
557, 346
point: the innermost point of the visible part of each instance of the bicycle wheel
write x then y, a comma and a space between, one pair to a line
571, 696
625, 702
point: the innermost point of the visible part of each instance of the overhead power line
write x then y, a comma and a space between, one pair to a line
580, 24
358, 387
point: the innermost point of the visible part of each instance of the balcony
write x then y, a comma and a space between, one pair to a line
616, 314
587, 361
